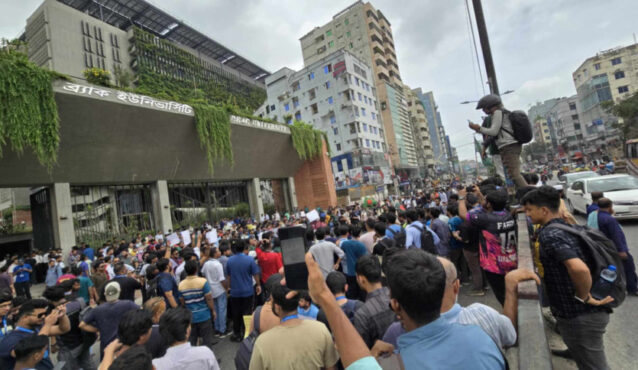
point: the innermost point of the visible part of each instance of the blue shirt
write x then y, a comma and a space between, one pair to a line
592, 207
454, 224
22, 276
166, 283
353, 249
394, 227
241, 269
413, 235
444, 345
612, 230
311, 313
53, 273
89, 253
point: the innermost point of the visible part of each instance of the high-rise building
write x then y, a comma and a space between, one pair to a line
70, 36
436, 129
335, 94
565, 120
421, 133
610, 75
367, 34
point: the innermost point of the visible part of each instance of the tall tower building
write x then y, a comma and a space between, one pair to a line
366, 33
436, 129
421, 133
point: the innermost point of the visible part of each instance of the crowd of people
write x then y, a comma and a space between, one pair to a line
382, 290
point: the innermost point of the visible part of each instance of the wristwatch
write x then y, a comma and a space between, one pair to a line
462, 198
583, 301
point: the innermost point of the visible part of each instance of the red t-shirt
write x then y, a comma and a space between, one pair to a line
269, 263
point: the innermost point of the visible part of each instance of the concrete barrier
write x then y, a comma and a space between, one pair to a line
533, 348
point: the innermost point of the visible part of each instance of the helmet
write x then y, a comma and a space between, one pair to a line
488, 101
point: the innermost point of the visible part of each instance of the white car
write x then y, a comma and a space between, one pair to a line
620, 189
568, 179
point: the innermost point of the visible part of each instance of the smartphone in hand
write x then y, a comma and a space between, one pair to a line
293, 251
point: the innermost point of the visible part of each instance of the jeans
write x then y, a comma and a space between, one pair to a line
511, 157
240, 306
23, 289
583, 336
497, 283
472, 259
76, 358
202, 330
220, 310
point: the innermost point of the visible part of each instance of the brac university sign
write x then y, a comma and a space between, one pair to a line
249, 122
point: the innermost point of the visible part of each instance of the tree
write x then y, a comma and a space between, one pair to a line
536, 150
627, 110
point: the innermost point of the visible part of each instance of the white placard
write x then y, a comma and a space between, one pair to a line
312, 215
173, 239
159, 237
186, 237
211, 236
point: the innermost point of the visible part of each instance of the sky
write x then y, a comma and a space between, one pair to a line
536, 44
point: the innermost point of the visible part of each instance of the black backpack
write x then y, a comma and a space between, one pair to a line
245, 350
152, 289
521, 125
601, 252
427, 240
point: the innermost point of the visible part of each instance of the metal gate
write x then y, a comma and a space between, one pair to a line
42, 219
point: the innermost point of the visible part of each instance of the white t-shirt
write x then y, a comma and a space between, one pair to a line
213, 271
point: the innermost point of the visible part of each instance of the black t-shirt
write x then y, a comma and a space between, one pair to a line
73, 338
128, 286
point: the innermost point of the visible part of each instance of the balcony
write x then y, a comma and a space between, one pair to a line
378, 61
371, 14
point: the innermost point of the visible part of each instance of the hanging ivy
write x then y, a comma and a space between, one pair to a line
28, 113
213, 129
307, 141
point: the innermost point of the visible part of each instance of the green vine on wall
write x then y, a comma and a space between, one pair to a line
307, 141
213, 128
28, 112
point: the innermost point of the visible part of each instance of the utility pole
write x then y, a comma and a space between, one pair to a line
485, 47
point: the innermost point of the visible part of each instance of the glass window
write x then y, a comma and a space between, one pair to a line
333, 119
597, 66
356, 111
620, 74
365, 99
295, 102
346, 22
328, 33
296, 86
356, 81
367, 143
331, 44
365, 127
374, 116
327, 84
348, 34
327, 69
287, 107
623, 89
311, 76
335, 130
272, 108
616, 61
339, 149
298, 116
330, 100
350, 45
359, 95
363, 112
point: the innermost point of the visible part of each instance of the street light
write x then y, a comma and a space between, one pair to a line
476, 101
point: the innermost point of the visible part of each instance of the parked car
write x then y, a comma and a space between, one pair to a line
622, 189
568, 179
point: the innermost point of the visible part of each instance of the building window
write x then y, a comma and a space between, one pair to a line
268, 109
330, 100
616, 61
314, 108
296, 86
367, 143
350, 45
348, 34
356, 82
289, 120
338, 149
572, 106
321, 49
374, 116
623, 89
346, 22
311, 76
272, 108
286, 107
331, 44
365, 127
365, 99
363, 112
335, 130
327, 69
597, 66
333, 119
359, 94
328, 33
367, 87
375, 129
86, 29
620, 74
311, 94
327, 84
298, 116
295, 102
356, 111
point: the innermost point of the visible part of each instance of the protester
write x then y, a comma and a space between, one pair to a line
243, 272
54, 272
5, 308
497, 238
305, 343
306, 309
32, 319
337, 283
503, 133
267, 318
417, 284
175, 327
30, 351
156, 345
269, 262
375, 316
580, 318
442, 230
22, 278
105, 318
353, 250
213, 271
610, 226
367, 238
166, 285
196, 295
324, 252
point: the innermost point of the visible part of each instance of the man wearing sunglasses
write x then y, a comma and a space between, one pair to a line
32, 319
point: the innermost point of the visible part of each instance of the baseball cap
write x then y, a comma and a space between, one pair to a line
112, 291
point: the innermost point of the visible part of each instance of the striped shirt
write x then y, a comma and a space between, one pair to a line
193, 290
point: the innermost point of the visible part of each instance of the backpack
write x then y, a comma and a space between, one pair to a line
245, 350
601, 252
521, 126
152, 289
427, 240
350, 308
